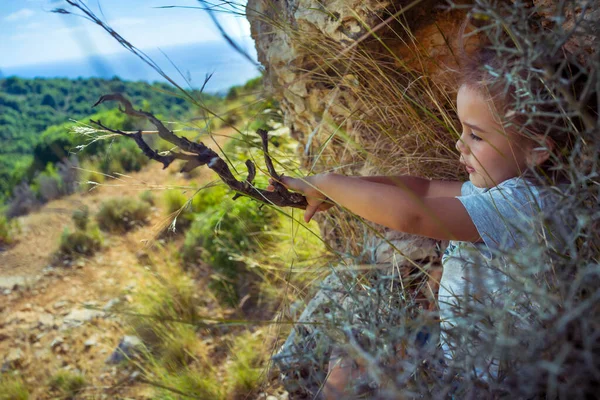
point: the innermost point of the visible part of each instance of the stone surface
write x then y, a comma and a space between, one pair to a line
128, 347
79, 316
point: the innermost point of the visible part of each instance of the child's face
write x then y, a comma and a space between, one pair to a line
490, 154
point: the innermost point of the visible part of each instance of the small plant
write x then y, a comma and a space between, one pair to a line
220, 233
81, 218
176, 358
174, 200
6, 231
90, 177
148, 197
122, 214
68, 384
85, 241
79, 243
247, 367
13, 388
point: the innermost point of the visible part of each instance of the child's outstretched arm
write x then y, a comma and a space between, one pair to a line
393, 206
420, 186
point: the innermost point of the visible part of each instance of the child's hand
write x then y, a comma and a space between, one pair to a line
317, 201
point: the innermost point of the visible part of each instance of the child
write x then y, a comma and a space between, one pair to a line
481, 217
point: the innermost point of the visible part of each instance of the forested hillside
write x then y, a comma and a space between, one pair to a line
29, 107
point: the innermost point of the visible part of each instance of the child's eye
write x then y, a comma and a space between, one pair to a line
475, 137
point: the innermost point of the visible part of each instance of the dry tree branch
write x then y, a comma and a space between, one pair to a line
197, 154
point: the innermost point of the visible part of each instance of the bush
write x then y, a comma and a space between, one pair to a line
122, 214
48, 184
6, 231
90, 176
175, 355
79, 243
247, 367
81, 218
148, 197
23, 201
222, 231
85, 241
174, 200
68, 170
68, 384
122, 156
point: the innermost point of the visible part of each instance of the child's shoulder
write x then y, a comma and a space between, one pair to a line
516, 184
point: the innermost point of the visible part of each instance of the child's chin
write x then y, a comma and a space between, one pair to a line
477, 181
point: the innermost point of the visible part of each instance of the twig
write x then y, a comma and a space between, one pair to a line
197, 154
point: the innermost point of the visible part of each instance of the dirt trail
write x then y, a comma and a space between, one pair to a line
44, 323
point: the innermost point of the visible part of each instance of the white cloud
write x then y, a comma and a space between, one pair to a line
19, 15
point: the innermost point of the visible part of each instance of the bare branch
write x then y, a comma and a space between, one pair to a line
202, 155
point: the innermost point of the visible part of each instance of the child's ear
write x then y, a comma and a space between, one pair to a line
540, 151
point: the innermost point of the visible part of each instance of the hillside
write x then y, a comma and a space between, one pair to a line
68, 317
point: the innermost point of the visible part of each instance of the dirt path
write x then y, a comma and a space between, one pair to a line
46, 324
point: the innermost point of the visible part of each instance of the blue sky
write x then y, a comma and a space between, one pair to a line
30, 34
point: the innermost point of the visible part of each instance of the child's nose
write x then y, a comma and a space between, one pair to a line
460, 146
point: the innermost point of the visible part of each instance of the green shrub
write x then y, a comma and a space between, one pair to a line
246, 369
90, 176
48, 185
13, 388
81, 217
209, 197
127, 153
174, 200
122, 214
85, 241
68, 384
148, 197
222, 231
79, 243
178, 204
6, 231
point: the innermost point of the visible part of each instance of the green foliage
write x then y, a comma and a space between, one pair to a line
48, 185
222, 231
176, 358
174, 200
13, 388
123, 156
85, 241
81, 217
6, 231
68, 384
122, 214
89, 176
33, 115
148, 197
200, 383
79, 243
247, 367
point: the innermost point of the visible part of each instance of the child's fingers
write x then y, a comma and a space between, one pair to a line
311, 210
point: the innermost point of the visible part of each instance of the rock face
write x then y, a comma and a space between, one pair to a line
341, 88
293, 36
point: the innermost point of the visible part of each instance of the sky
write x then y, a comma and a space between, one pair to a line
30, 34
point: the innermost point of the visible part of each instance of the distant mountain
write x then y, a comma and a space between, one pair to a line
195, 61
